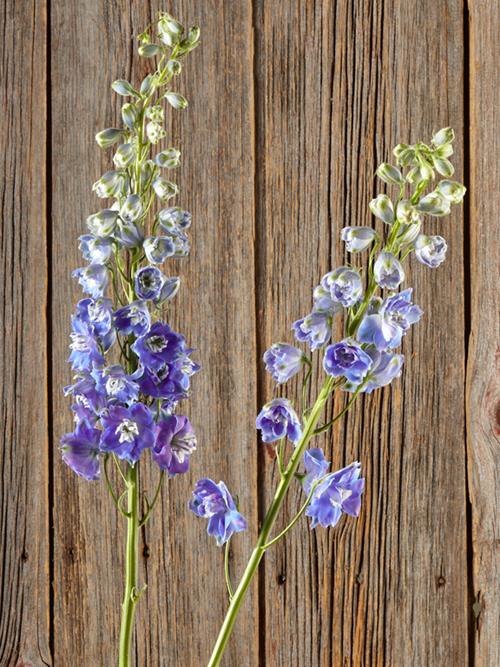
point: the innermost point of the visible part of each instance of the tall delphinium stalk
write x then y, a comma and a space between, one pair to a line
376, 317
124, 408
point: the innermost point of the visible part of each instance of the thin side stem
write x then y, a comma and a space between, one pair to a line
226, 570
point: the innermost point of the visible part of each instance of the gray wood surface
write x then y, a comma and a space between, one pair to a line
292, 106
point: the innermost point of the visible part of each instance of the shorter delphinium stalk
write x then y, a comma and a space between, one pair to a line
122, 409
364, 360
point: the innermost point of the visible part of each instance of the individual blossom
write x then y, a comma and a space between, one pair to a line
278, 419
164, 189
347, 359
358, 238
385, 328
98, 313
316, 467
314, 329
80, 450
94, 249
103, 224
131, 209
430, 250
171, 381
169, 289
339, 492
214, 502
93, 279
109, 185
344, 285
127, 431
382, 208
134, 319
160, 345
174, 219
388, 271
386, 367
175, 442
158, 248
89, 400
283, 361
116, 384
85, 350
148, 283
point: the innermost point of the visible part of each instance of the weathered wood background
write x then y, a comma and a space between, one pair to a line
293, 104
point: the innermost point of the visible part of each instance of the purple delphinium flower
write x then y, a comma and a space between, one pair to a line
172, 380
133, 319
358, 238
89, 401
316, 466
214, 502
94, 249
158, 248
127, 431
160, 345
386, 367
347, 359
80, 450
278, 419
115, 384
84, 347
283, 361
169, 290
385, 328
344, 285
314, 329
388, 271
175, 442
99, 315
93, 279
339, 492
430, 250
148, 283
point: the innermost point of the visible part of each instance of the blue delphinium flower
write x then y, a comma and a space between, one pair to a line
174, 219
358, 238
314, 329
386, 367
172, 380
430, 250
92, 278
148, 283
278, 419
89, 400
339, 492
99, 315
160, 345
214, 502
344, 285
94, 249
80, 450
85, 350
388, 271
175, 442
347, 359
127, 431
158, 248
283, 361
116, 384
386, 327
169, 290
133, 319
316, 467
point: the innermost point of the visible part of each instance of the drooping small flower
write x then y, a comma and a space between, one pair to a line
165, 189
93, 279
385, 328
148, 283
85, 350
339, 492
386, 367
128, 234
344, 285
388, 271
358, 238
158, 248
175, 442
80, 451
214, 502
133, 318
316, 467
109, 185
277, 420
314, 329
174, 219
430, 250
127, 431
283, 361
347, 359
94, 249
169, 289
382, 208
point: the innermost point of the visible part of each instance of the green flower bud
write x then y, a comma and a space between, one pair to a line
124, 88
193, 36
404, 154
129, 115
406, 213
452, 191
108, 137
164, 189
174, 67
149, 50
147, 171
102, 224
382, 208
155, 132
443, 151
444, 136
169, 30
444, 166
389, 174
147, 85
124, 156
176, 100
434, 204
169, 158
170, 24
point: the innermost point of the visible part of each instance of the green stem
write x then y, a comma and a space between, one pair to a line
268, 524
131, 594
226, 570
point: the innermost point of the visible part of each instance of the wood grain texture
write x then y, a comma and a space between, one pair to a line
483, 386
338, 84
24, 471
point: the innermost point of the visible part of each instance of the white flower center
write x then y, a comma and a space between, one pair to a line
127, 430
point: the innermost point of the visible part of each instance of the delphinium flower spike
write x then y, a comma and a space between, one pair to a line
131, 369
376, 317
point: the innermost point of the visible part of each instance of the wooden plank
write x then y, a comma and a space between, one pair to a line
483, 372
338, 84
24, 470
180, 614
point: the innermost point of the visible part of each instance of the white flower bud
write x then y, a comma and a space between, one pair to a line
170, 24
434, 204
131, 209
443, 151
123, 87
176, 100
155, 132
169, 30
164, 189
102, 224
149, 50
124, 156
406, 213
389, 174
408, 233
193, 36
444, 136
109, 184
147, 171
443, 166
129, 115
147, 84
169, 158
382, 208
174, 67
107, 138
452, 191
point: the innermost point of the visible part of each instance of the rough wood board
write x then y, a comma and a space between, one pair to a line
179, 616
338, 84
483, 391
